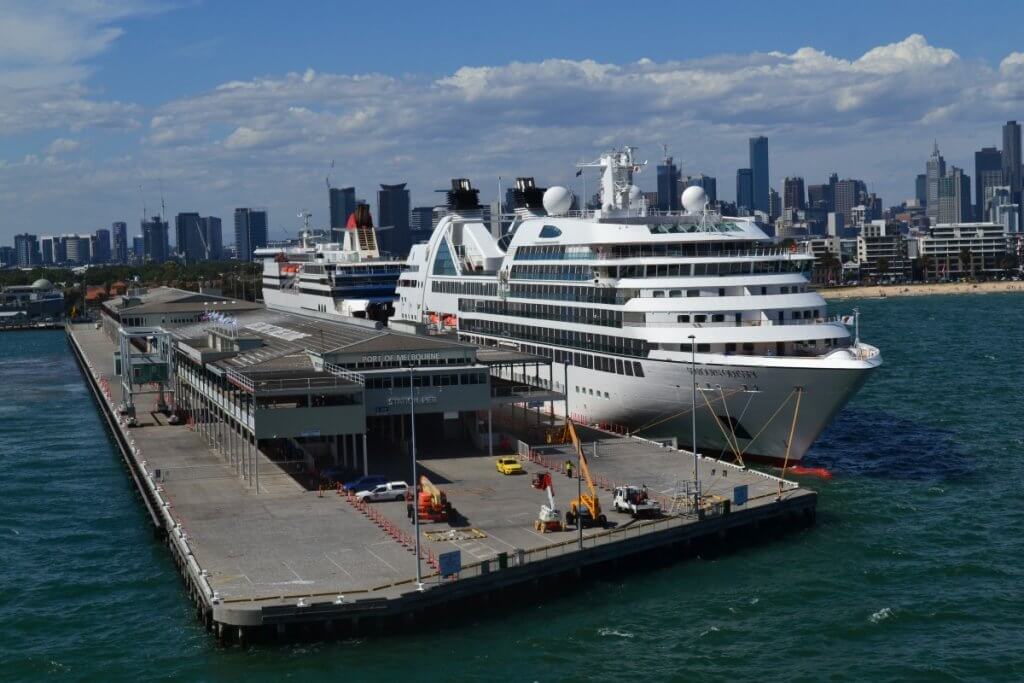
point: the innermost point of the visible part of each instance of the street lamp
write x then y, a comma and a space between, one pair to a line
693, 420
565, 384
415, 479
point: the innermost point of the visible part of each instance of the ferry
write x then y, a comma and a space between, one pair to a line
349, 278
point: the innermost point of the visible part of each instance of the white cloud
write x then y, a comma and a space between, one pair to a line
45, 46
63, 146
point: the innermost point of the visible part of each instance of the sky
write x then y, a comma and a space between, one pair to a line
108, 105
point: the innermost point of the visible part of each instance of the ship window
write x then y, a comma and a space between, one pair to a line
748, 347
675, 293
659, 294
692, 292
443, 262
550, 231
703, 348
618, 367
683, 318
717, 318
638, 369
730, 347
700, 318
764, 290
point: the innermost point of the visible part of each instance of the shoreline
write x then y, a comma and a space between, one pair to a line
920, 289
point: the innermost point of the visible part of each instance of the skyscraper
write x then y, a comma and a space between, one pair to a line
793, 193
393, 219
100, 246
342, 205
1011, 157
250, 232
26, 250
988, 172
954, 197
154, 235
744, 189
120, 248
848, 193
759, 170
921, 189
46, 250
668, 185
188, 239
213, 238
935, 168
138, 248
420, 221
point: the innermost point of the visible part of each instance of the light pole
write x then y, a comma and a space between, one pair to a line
693, 421
415, 479
579, 496
565, 384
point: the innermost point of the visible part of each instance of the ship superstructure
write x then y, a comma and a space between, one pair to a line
630, 304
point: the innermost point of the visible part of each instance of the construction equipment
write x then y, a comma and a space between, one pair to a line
431, 503
586, 509
635, 501
549, 518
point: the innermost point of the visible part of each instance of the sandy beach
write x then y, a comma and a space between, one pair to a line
881, 291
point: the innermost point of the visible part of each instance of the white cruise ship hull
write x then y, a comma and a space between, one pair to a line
751, 406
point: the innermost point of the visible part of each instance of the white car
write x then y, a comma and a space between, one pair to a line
393, 490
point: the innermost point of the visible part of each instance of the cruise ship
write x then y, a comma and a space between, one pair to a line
346, 278
632, 305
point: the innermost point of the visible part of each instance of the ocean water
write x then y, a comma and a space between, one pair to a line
915, 570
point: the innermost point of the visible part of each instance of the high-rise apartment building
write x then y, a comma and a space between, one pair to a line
342, 205
988, 172
46, 249
935, 168
100, 246
213, 238
250, 232
668, 185
1011, 156
744, 189
120, 245
77, 249
849, 193
156, 243
188, 238
139, 248
793, 193
26, 250
759, 173
921, 189
393, 219
954, 197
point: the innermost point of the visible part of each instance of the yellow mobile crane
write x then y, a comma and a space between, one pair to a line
587, 508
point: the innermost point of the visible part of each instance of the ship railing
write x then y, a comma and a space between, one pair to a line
607, 256
733, 323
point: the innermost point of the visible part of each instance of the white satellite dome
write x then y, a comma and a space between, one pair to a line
557, 200
634, 193
694, 199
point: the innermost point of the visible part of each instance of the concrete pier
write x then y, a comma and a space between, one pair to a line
288, 562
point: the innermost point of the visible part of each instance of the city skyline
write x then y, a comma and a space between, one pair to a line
80, 139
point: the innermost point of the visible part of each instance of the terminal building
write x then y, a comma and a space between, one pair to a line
318, 392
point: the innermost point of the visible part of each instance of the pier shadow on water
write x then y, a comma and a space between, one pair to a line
878, 443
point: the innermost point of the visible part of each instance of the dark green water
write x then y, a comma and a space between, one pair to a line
914, 570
